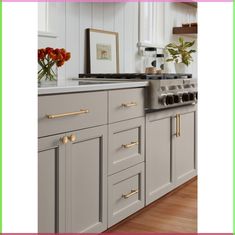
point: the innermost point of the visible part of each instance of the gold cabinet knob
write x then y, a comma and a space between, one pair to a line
64, 140
72, 137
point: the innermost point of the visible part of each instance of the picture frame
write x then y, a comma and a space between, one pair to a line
103, 51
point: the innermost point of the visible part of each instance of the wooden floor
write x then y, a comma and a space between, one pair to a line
175, 212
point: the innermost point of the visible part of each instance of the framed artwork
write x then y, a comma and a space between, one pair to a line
103, 56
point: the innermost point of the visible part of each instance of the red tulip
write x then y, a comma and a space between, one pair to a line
49, 50
62, 50
67, 56
41, 54
60, 63
53, 56
57, 51
60, 57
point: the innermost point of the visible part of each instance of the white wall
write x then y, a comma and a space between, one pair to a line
74, 18
175, 15
69, 21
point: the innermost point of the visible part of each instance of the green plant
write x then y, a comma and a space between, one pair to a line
180, 53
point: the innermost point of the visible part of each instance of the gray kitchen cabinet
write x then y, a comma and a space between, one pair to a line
125, 193
101, 158
125, 104
65, 112
184, 148
86, 181
73, 182
51, 184
170, 150
126, 144
159, 179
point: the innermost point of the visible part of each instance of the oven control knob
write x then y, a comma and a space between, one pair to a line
176, 98
191, 96
169, 99
163, 100
185, 97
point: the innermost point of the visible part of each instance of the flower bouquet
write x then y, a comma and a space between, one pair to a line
49, 59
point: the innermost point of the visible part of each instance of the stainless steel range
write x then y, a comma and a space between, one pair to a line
164, 91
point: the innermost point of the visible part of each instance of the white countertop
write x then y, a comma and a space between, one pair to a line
70, 86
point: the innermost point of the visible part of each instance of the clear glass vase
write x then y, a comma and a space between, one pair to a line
47, 75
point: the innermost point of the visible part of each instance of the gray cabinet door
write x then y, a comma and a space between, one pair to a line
170, 160
159, 179
86, 181
51, 191
184, 147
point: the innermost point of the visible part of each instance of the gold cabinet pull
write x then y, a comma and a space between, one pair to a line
64, 139
131, 104
72, 138
177, 125
132, 144
131, 193
53, 116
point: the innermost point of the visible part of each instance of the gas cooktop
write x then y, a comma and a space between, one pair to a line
165, 90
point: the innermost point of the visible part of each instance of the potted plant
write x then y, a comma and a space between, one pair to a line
180, 54
49, 59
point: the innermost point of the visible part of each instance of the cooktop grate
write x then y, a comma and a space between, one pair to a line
137, 76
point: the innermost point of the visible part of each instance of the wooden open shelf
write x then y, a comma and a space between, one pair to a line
185, 30
192, 4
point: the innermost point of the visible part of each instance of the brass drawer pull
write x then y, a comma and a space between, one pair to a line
178, 125
132, 192
131, 104
53, 116
132, 144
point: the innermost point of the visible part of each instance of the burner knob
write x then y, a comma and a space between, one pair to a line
169, 99
163, 100
195, 95
191, 96
185, 97
176, 98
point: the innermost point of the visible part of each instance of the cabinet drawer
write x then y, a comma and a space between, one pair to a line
125, 193
126, 104
61, 113
126, 144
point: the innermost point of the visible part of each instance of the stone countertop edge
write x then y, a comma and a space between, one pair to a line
95, 87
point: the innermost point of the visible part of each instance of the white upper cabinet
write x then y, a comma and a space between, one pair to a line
151, 24
42, 16
47, 18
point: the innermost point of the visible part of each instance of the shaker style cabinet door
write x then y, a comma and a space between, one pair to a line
51, 191
158, 157
86, 181
184, 146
